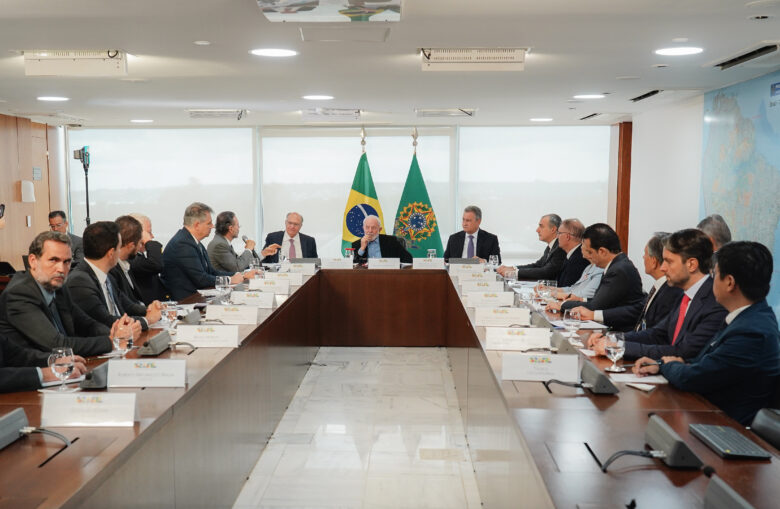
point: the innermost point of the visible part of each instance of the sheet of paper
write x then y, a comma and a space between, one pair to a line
629, 377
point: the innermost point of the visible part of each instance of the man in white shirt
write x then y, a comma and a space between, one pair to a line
289, 243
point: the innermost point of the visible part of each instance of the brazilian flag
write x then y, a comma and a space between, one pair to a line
362, 202
415, 220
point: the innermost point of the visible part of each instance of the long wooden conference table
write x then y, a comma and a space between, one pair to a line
194, 447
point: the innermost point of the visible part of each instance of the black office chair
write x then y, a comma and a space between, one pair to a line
766, 424
6, 269
26, 262
402, 241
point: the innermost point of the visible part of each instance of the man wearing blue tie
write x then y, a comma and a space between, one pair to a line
739, 368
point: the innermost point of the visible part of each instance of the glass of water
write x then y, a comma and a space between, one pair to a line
123, 339
62, 363
222, 284
615, 348
431, 253
571, 323
493, 262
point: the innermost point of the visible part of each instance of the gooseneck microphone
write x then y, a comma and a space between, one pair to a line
245, 238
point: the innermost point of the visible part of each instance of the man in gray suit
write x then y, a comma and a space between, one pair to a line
221, 253
58, 222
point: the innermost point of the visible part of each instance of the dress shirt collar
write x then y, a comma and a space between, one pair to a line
658, 283
693, 290
731, 316
551, 244
610, 263
193, 237
287, 237
47, 295
102, 276
571, 251
124, 265
475, 235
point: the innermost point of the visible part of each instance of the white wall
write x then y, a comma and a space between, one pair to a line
665, 173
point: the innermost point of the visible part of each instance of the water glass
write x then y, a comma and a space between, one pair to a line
123, 339
493, 262
431, 253
62, 363
222, 284
571, 323
510, 276
615, 348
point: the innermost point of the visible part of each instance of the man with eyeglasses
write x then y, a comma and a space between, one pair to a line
570, 240
551, 262
58, 222
290, 242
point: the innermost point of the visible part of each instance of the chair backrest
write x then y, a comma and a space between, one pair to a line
6, 269
26, 262
766, 424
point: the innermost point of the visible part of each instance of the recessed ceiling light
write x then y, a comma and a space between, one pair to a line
680, 39
318, 97
540, 119
201, 43
52, 98
589, 96
626, 77
271, 52
678, 51
141, 121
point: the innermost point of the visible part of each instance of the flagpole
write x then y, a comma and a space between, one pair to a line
414, 137
363, 138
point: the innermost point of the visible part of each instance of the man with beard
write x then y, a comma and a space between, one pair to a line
131, 233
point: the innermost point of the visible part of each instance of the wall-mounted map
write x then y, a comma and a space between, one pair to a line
329, 11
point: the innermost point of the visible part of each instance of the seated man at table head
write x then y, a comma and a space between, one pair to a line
58, 222
376, 245
131, 233
221, 253
95, 291
186, 264
716, 229
695, 316
472, 241
738, 369
549, 265
290, 242
36, 309
620, 284
147, 264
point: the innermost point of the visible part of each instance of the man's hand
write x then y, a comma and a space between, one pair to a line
669, 358
583, 313
645, 366
153, 312
79, 368
502, 270
270, 250
553, 306
237, 278
250, 244
593, 339
126, 321
364, 243
145, 237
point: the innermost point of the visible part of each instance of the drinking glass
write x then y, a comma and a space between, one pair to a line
222, 284
510, 276
493, 262
571, 323
349, 253
123, 339
431, 253
615, 348
172, 313
61, 363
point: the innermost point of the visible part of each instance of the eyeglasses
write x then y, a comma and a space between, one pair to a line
562, 233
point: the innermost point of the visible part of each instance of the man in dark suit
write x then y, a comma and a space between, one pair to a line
472, 242
716, 228
661, 299
549, 265
37, 311
739, 368
375, 245
96, 292
220, 249
289, 242
696, 316
570, 241
186, 265
620, 285
131, 233
147, 265
58, 222
25, 369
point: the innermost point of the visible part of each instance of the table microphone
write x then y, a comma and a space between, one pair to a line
254, 253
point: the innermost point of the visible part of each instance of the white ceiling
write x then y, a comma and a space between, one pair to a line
578, 46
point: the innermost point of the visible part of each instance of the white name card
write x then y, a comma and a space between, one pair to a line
82, 409
502, 317
295, 278
475, 276
428, 263
147, 372
536, 367
337, 263
489, 299
457, 268
276, 286
384, 263
208, 336
233, 314
306, 269
262, 300
517, 339
481, 286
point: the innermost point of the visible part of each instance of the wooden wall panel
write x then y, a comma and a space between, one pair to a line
623, 183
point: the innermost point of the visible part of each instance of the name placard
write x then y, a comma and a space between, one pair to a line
233, 314
502, 317
208, 336
147, 372
489, 299
306, 269
263, 300
537, 367
277, 286
428, 263
457, 268
83, 409
295, 278
384, 263
517, 339
475, 276
481, 286
337, 263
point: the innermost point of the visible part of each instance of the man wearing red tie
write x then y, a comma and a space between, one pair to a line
695, 318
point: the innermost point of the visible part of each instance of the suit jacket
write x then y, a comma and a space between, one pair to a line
389, 246
487, 244
86, 291
77, 250
739, 368
26, 320
620, 286
572, 268
702, 321
308, 246
122, 285
186, 266
17, 367
548, 266
223, 256
663, 304
146, 268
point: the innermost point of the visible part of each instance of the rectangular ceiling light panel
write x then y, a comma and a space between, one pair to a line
473, 59
78, 63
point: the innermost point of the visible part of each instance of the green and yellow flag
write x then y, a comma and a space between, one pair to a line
415, 220
362, 202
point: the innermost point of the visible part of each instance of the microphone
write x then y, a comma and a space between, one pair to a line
245, 238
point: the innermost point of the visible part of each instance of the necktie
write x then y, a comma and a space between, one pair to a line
681, 317
56, 315
293, 254
112, 308
470, 248
546, 253
638, 325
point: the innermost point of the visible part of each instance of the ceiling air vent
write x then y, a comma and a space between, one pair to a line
645, 96
237, 114
752, 54
592, 115
446, 112
473, 59
330, 115
92, 63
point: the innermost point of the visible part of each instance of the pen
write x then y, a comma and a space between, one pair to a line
643, 364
